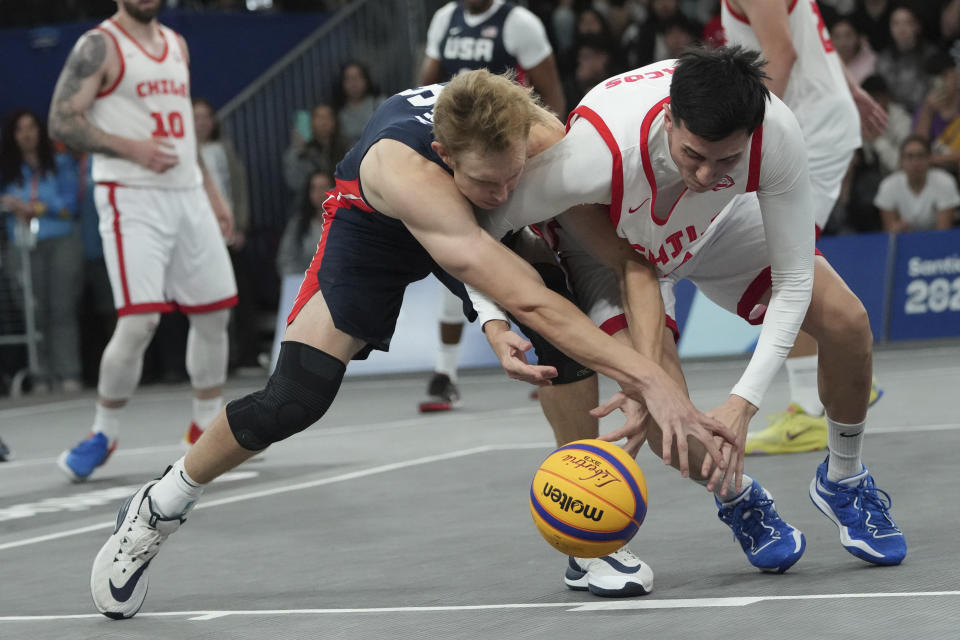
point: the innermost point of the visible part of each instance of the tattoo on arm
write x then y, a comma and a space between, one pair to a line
66, 122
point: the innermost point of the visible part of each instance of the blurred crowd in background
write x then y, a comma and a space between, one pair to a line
904, 54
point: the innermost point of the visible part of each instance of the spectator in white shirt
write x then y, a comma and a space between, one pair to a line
918, 197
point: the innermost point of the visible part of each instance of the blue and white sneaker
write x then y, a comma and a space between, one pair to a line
78, 463
862, 513
118, 581
618, 575
770, 543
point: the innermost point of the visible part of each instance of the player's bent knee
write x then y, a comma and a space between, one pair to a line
299, 392
134, 332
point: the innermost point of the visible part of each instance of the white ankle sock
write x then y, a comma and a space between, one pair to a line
447, 359
802, 373
845, 442
729, 501
176, 492
204, 411
107, 422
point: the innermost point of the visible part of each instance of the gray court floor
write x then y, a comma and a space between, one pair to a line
381, 523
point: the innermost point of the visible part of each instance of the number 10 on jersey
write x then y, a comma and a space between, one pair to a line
170, 126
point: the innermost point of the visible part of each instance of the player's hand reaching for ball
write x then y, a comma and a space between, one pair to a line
679, 419
634, 428
511, 350
154, 154
736, 413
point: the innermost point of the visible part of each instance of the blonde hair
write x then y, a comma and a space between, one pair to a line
480, 111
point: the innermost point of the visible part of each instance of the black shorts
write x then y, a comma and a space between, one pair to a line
363, 264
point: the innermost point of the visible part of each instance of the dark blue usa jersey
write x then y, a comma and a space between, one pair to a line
465, 48
406, 117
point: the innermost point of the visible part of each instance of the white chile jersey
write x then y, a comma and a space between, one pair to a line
616, 153
649, 203
150, 98
817, 90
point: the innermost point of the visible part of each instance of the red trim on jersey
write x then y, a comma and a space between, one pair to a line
347, 194
674, 329
116, 82
616, 181
522, 75
146, 307
611, 325
755, 290
166, 45
756, 151
818, 232
310, 284
645, 158
217, 305
733, 12
742, 18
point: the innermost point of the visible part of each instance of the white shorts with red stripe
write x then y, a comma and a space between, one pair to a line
163, 250
731, 268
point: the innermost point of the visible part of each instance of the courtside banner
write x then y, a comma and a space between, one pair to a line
862, 262
926, 286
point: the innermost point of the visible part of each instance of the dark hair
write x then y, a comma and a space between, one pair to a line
606, 31
336, 121
215, 133
875, 84
717, 92
939, 62
682, 22
307, 211
922, 140
595, 42
11, 158
339, 97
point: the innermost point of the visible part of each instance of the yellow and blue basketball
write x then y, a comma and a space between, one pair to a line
588, 498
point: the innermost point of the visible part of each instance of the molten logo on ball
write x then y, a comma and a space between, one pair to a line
566, 503
588, 498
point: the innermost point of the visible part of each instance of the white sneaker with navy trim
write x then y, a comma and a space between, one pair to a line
118, 581
617, 575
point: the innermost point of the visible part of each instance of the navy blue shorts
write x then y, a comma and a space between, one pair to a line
363, 264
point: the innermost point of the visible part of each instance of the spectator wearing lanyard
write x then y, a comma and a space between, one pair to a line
39, 192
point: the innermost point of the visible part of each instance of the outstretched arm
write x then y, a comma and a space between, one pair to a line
399, 182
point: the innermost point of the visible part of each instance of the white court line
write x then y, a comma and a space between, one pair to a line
308, 435
571, 607
353, 475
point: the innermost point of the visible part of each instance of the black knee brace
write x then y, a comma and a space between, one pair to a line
298, 393
568, 369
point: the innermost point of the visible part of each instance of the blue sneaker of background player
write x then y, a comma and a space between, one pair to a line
78, 463
770, 543
862, 513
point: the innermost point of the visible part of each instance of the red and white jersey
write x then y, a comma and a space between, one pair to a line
150, 98
649, 204
817, 90
616, 152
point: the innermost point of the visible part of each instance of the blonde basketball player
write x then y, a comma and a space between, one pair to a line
124, 96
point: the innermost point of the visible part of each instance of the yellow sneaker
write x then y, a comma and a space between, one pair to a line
792, 431
875, 393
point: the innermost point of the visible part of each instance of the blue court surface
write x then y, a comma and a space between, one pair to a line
382, 523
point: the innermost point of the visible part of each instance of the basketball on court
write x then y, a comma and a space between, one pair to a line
588, 498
